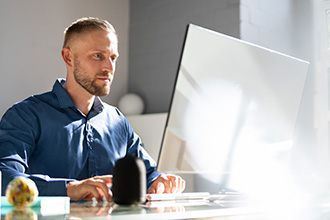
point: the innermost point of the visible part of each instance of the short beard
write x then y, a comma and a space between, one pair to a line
89, 84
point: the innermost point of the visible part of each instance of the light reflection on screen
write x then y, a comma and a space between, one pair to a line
233, 113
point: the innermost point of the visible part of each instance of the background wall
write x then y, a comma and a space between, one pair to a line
31, 38
157, 30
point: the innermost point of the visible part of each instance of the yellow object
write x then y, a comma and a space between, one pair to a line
22, 214
22, 192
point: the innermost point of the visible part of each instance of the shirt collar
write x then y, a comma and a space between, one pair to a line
96, 108
65, 100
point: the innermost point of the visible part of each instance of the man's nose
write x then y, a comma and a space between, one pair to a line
109, 65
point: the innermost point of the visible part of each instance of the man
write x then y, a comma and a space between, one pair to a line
67, 140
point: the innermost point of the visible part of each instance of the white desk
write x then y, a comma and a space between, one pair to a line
173, 210
157, 210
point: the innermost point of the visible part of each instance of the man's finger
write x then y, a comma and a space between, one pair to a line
174, 182
159, 187
182, 185
106, 178
156, 187
101, 185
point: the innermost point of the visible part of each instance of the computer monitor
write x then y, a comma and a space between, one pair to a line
233, 113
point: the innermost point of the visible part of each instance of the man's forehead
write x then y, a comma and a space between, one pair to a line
97, 40
101, 35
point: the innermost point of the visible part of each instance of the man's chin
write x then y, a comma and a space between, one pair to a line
102, 93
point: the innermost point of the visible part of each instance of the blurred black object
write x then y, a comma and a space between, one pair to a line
129, 181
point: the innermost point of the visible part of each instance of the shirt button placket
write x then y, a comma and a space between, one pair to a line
90, 140
89, 136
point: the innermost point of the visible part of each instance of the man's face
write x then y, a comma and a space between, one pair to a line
95, 56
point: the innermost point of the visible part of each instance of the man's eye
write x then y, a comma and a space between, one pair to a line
97, 56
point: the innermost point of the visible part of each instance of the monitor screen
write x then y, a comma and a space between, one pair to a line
232, 114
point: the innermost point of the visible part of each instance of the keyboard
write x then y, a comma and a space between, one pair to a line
178, 196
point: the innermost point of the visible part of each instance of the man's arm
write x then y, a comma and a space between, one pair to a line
96, 187
46, 186
18, 132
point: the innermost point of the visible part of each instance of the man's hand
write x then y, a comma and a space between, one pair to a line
167, 183
96, 187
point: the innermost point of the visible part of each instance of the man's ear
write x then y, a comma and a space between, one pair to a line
67, 56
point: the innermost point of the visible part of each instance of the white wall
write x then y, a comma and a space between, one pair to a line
31, 36
267, 23
150, 128
282, 25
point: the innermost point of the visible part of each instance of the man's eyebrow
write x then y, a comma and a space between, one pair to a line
103, 51
99, 51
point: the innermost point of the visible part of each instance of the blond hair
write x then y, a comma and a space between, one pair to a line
83, 26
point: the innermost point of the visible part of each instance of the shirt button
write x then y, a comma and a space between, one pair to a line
89, 137
89, 145
89, 127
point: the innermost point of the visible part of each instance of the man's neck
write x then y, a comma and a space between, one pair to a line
84, 105
82, 99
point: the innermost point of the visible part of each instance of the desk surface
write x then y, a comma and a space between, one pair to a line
169, 210
193, 209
